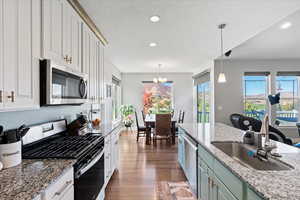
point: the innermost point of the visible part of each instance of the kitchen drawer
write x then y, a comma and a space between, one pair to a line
233, 183
38, 197
101, 195
251, 195
116, 134
60, 187
107, 139
205, 156
68, 195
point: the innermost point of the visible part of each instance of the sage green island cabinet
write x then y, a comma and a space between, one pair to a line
217, 182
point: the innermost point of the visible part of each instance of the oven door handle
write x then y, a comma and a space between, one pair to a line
91, 164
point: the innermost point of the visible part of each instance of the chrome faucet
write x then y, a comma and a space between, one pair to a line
264, 150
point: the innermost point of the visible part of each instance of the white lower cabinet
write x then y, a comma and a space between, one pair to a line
62, 188
101, 196
38, 197
107, 161
111, 153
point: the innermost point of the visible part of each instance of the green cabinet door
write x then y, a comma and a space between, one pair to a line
203, 181
222, 192
213, 187
181, 153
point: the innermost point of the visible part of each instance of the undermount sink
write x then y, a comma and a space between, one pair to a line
240, 151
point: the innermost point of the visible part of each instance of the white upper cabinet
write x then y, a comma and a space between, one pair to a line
1, 56
91, 63
101, 71
62, 33
76, 40
20, 61
53, 29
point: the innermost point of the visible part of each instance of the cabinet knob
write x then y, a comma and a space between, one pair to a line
70, 60
12, 96
66, 58
1, 96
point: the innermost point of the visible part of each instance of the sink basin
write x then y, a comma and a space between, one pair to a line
239, 152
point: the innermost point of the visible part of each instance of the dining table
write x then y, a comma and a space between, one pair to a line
150, 123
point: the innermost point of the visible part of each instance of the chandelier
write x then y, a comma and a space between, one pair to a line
159, 79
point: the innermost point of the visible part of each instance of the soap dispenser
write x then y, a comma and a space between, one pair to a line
249, 137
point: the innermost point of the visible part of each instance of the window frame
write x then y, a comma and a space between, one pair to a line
295, 97
116, 99
267, 76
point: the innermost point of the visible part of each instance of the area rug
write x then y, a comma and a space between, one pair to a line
175, 191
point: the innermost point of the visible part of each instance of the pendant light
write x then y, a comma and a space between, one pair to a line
222, 77
159, 79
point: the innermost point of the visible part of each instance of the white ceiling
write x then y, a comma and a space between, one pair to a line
273, 43
187, 34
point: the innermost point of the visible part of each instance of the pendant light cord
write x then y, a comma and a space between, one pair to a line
222, 50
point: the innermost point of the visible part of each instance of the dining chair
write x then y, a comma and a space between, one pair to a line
141, 130
144, 116
162, 128
172, 113
181, 117
179, 121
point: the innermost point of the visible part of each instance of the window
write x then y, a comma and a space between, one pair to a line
255, 94
203, 102
287, 112
116, 98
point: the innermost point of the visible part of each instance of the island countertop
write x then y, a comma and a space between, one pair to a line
31, 177
274, 185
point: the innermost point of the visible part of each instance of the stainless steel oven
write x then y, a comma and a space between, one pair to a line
89, 174
60, 85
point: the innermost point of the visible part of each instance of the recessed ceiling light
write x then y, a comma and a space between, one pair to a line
153, 44
154, 18
286, 25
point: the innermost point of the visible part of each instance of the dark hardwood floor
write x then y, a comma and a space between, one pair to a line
141, 167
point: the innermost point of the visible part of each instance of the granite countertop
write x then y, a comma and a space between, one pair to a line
274, 185
27, 180
105, 129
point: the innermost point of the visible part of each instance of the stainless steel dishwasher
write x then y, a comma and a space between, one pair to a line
190, 167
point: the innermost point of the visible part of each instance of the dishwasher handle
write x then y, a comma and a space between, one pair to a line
194, 146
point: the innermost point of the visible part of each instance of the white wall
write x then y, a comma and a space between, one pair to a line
228, 97
132, 90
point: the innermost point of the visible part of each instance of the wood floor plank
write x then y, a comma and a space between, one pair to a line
141, 168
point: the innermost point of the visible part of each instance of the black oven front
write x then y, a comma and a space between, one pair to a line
89, 174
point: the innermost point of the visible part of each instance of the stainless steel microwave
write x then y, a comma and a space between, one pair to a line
59, 85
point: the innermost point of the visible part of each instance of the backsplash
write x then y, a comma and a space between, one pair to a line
11, 120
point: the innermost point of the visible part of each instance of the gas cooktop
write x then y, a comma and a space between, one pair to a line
66, 147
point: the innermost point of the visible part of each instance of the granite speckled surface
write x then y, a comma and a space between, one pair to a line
275, 185
29, 179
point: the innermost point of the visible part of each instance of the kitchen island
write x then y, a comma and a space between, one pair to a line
223, 177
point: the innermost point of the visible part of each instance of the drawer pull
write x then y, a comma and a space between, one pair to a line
66, 58
10, 154
63, 188
1, 96
12, 96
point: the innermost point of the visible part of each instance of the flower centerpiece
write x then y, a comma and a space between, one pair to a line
127, 112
